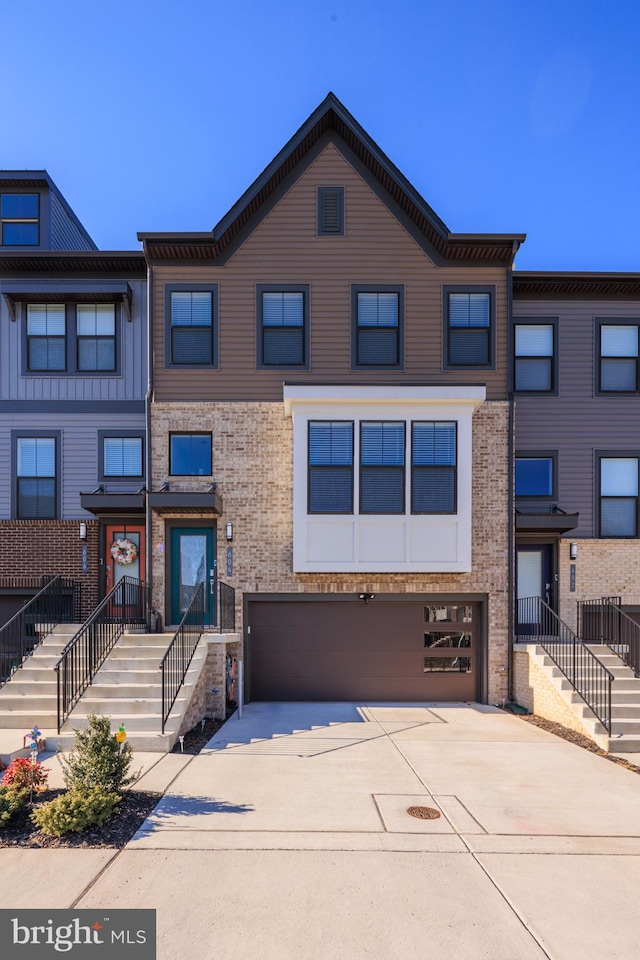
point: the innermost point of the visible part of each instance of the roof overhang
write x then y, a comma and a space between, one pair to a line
575, 284
61, 291
105, 504
208, 503
556, 523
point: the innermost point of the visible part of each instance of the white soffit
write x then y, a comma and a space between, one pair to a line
469, 397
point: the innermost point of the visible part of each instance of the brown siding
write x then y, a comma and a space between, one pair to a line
284, 248
576, 423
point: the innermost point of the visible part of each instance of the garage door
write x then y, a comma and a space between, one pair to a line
308, 649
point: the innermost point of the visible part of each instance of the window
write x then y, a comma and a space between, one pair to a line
282, 326
330, 466
96, 334
330, 211
19, 216
36, 495
618, 496
534, 366
468, 326
46, 337
121, 457
433, 467
535, 475
377, 326
191, 327
190, 454
381, 467
618, 371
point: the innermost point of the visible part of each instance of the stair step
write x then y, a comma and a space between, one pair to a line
133, 723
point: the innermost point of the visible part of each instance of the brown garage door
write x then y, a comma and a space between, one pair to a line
307, 649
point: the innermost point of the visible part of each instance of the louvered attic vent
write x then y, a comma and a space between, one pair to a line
330, 211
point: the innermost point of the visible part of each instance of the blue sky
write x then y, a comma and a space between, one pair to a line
506, 116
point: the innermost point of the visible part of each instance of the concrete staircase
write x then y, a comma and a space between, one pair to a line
127, 689
625, 700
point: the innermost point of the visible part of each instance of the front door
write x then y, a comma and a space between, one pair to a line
124, 553
533, 579
192, 562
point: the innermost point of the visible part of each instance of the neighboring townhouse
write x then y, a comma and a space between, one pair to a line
577, 446
73, 376
331, 429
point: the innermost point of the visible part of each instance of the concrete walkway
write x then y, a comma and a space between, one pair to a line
289, 838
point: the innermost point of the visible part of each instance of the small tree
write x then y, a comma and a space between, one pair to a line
97, 760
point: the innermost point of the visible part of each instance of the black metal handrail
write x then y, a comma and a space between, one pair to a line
586, 674
59, 601
226, 608
604, 621
127, 604
177, 659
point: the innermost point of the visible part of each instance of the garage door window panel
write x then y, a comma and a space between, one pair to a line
382, 483
330, 480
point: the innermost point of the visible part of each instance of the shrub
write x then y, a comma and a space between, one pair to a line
24, 774
11, 801
98, 760
74, 811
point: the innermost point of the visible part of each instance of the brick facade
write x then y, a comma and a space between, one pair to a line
534, 689
253, 463
35, 548
603, 568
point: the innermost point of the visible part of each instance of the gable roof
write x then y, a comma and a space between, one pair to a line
24, 179
331, 116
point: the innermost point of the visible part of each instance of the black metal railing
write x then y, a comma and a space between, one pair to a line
226, 619
535, 620
59, 601
180, 651
126, 605
604, 621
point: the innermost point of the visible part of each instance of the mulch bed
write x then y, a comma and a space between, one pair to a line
115, 833
130, 814
581, 741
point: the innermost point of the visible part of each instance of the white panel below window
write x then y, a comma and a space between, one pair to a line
330, 541
380, 541
434, 541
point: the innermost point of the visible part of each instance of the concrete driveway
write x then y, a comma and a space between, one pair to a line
289, 837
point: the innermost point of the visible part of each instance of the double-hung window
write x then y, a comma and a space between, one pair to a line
283, 326
330, 484
382, 446
618, 368
191, 325
36, 494
534, 357
96, 336
433, 466
121, 457
377, 326
46, 337
618, 496
19, 219
468, 326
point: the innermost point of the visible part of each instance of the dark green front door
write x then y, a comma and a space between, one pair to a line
192, 562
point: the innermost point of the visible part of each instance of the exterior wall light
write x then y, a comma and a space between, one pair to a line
229, 532
366, 597
83, 531
573, 551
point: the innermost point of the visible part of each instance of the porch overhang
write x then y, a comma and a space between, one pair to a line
101, 503
198, 502
554, 522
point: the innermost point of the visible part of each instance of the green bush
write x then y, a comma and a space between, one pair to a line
11, 800
98, 760
25, 774
74, 811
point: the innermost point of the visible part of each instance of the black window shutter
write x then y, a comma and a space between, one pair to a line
330, 211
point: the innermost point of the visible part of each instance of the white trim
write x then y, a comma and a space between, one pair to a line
294, 395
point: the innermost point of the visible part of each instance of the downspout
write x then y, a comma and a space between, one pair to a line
147, 401
510, 553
